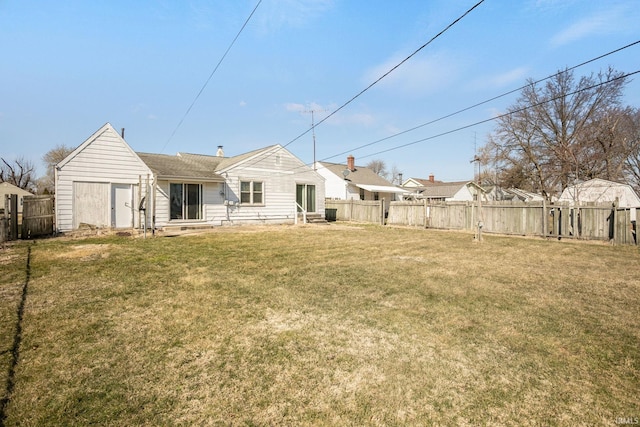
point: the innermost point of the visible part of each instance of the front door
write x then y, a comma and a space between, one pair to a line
121, 206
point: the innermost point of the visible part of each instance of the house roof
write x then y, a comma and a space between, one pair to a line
7, 188
361, 174
599, 190
423, 182
195, 166
181, 166
442, 189
229, 162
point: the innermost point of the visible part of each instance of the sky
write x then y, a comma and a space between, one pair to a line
69, 67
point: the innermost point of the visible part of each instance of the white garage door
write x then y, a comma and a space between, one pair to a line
91, 204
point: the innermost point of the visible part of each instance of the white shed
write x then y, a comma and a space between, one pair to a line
601, 191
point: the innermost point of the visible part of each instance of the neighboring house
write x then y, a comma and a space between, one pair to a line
600, 191
6, 188
419, 182
447, 191
351, 182
104, 183
498, 194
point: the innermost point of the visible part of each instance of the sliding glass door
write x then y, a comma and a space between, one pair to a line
185, 201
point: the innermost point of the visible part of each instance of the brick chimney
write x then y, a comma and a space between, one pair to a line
432, 178
351, 163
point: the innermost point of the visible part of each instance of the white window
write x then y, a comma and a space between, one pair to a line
251, 192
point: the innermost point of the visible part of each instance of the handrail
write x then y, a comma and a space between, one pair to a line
304, 214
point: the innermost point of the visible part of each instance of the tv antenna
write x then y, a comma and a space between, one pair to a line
313, 132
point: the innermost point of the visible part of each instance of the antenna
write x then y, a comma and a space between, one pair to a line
313, 132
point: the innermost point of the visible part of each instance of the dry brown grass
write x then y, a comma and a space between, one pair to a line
336, 325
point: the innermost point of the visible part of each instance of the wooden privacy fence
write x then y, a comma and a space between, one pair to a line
357, 210
598, 222
38, 217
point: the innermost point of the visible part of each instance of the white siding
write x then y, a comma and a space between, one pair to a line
213, 209
280, 171
104, 158
335, 186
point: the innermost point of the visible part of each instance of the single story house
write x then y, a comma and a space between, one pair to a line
351, 182
7, 189
419, 182
438, 191
600, 191
498, 194
104, 183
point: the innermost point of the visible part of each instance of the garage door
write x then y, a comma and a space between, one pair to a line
91, 204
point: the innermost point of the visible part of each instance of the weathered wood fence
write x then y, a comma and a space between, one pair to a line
36, 219
598, 222
358, 210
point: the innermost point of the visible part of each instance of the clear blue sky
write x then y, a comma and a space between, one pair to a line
70, 66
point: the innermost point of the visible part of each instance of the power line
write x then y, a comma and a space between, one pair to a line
503, 115
470, 107
481, 103
210, 76
385, 74
389, 72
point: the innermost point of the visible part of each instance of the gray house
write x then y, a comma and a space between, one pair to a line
104, 183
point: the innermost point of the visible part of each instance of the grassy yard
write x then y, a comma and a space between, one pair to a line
337, 325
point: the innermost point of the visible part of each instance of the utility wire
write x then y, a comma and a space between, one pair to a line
481, 103
470, 107
503, 115
386, 74
210, 76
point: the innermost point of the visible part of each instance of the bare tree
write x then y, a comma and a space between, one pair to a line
51, 158
379, 167
564, 130
19, 173
631, 129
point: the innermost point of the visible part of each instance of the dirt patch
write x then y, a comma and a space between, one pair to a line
87, 252
7, 258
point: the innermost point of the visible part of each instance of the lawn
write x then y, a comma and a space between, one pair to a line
325, 325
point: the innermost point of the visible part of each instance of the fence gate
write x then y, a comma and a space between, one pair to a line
37, 216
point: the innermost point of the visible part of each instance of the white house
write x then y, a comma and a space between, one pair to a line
105, 183
439, 191
351, 182
7, 189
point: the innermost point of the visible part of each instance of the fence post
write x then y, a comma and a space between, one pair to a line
13, 219
614, 216
545, 218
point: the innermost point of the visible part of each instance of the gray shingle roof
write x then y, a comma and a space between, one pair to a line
442, 190
180, 166
361, 175
194, 166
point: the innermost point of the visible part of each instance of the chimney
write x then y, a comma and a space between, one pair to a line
400, 178
432, 178
122, 133
351, 163
220, 152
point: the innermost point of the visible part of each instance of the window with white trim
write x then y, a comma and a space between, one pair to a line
251, 192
